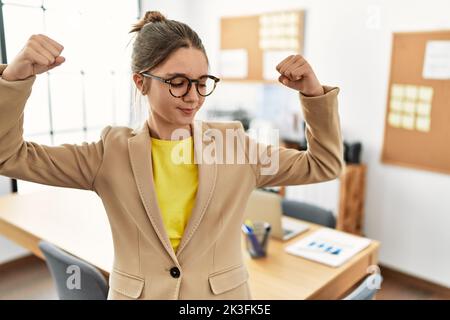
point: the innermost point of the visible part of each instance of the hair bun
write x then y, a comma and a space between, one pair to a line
154, 16
150, 16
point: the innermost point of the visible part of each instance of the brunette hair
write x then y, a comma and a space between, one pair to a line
157, 37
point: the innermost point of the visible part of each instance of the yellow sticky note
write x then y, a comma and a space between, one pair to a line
408, 122
424, 109
423, 124
409, 107
394, 119
425, 94
411, 93
397, 90
396, 104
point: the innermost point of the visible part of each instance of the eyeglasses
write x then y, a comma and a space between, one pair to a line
180, 85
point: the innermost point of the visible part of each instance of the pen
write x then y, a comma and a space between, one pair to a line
254, 241
266, 235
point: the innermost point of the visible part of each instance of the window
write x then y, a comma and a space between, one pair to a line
93, 88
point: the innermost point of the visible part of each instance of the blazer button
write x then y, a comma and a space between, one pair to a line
175, 272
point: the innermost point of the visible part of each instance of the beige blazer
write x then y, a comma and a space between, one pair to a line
208, 263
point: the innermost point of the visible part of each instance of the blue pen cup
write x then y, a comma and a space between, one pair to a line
257, 241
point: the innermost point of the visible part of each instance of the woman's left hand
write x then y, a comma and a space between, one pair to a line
297, 74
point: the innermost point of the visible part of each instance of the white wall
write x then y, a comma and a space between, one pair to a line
348, 43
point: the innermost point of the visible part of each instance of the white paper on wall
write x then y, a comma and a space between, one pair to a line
437, 60
233, 63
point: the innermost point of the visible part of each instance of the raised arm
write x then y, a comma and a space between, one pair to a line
67, 165
323, 159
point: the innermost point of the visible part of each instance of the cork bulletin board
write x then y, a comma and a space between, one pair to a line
417, 122
254, 43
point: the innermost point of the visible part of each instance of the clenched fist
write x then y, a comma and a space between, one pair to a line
297, 74
39, 55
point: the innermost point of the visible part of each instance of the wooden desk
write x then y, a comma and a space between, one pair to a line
76, 221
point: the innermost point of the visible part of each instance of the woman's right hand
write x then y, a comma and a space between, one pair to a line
40, 54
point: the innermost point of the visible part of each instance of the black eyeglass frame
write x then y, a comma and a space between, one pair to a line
190, 81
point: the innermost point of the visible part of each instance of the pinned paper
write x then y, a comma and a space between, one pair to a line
408, 122
425, 94
396, 104
437, 60
423, 124
410, 107
411, 93
397, 90
424, 109
233, 63
279, 31
395, 119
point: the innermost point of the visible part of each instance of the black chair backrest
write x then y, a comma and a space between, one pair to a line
308, 212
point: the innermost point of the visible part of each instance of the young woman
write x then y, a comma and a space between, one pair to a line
176, 224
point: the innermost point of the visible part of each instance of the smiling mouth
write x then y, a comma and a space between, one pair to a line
187, 110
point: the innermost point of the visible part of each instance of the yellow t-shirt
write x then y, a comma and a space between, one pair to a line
176, 182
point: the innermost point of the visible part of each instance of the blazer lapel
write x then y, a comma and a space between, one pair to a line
141, 162
207, 174
139, 148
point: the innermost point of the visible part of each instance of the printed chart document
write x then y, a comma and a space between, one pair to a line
327, 246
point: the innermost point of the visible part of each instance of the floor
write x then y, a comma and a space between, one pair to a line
32, 281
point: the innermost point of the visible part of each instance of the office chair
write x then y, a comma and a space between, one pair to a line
367, 289
308, 212
91, 284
